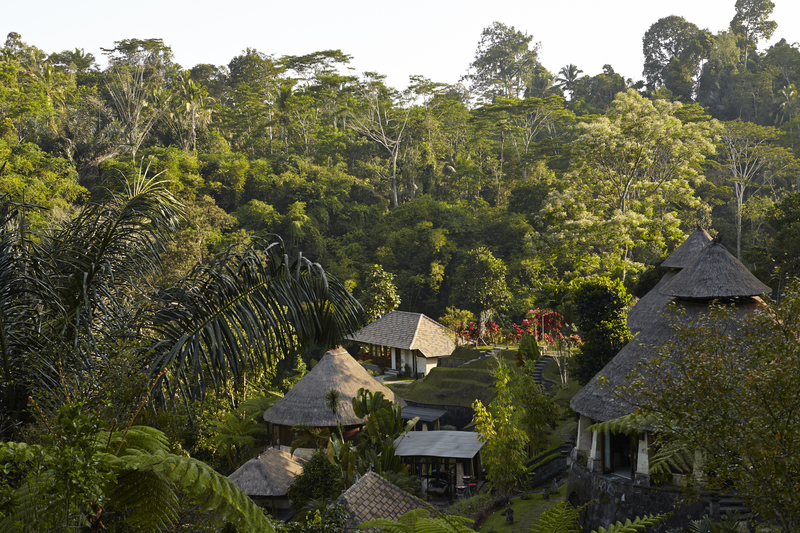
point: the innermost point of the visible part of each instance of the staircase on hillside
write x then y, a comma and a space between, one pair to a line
538, 372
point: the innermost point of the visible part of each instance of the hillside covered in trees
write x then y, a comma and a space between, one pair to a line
555, 175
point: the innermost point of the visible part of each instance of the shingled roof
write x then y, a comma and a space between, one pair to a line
372, 497
408, 331
305, 402
268, 475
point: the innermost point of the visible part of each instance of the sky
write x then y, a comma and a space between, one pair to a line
433, 38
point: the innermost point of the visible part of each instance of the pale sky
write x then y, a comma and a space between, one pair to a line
433, 38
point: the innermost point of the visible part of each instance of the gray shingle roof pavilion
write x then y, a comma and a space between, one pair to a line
407, 331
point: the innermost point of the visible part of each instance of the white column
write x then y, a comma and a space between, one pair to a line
595, 461
642, 476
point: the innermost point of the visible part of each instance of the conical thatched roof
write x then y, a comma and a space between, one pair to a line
268, 475
714, 273
372, 497
408, 331
686, 251
305, 402
649, 306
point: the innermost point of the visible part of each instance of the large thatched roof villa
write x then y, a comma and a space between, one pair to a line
621, 461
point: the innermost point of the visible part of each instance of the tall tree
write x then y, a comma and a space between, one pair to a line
483, 284
504, 62
670, 43
752, 22
747, 152
382, 118
630, 169
568, 78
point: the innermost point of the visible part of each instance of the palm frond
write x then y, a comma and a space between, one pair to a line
248, 308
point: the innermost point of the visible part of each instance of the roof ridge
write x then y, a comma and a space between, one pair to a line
416, 332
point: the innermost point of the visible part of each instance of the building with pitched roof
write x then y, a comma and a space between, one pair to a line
399, 339
305, 403
372, 497
601, 458
266, 479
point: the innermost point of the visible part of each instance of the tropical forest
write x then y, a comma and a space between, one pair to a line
181, 244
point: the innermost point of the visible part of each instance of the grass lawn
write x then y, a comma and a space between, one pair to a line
475, 381
525, 512
456, 386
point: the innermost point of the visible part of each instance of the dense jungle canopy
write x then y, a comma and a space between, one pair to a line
545, 177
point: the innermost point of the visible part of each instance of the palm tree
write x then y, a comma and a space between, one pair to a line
568, 78
76, 297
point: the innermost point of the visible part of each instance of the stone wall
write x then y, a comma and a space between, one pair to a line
612, 501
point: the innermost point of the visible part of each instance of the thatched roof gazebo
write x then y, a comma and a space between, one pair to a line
305, 403
266, 479
712, 274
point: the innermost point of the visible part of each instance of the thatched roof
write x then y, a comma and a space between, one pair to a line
305, 402
714, 273
408, 331
372, 497
268, 475
654, 301
686, 251
649, 305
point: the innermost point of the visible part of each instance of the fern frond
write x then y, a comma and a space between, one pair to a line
213, 491
147, 499
631, 424
141, 438
561, 518
637, 525
450, 524
672, 457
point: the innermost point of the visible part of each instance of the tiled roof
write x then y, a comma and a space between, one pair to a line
408, 331
373, 497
